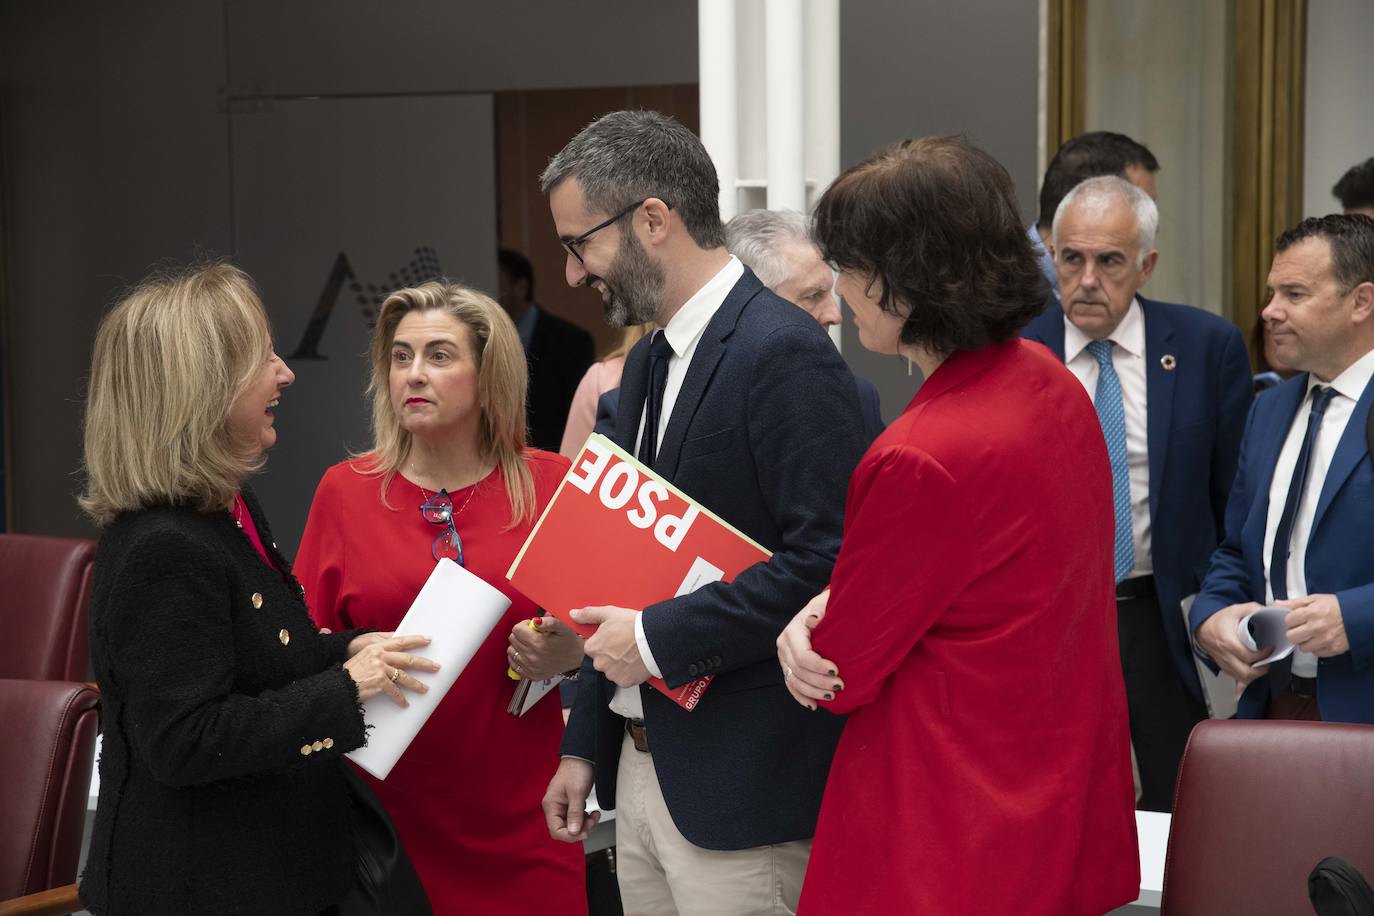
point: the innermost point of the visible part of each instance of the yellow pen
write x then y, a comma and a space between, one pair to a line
534, 625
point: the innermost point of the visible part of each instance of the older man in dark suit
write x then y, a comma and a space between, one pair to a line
740, 400
1172, 386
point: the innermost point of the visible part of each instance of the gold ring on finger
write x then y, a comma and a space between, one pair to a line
786, 672
395, 675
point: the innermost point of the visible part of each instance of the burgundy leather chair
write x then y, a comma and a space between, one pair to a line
1258, 804
45, 776
45, 590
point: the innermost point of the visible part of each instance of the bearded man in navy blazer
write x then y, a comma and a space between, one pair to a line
1172, 386
1298, 524
740, 399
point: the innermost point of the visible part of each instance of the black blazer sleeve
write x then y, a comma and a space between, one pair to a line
171, 645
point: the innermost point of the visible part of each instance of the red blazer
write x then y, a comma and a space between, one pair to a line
985, 766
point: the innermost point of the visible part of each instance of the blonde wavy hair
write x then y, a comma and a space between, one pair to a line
169, 361
502, 378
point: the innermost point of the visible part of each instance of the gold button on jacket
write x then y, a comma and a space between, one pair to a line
284, 636
328, 742
257, 599
317, 746
306, 750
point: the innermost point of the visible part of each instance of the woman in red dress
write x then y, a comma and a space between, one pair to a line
448, 390
970, 626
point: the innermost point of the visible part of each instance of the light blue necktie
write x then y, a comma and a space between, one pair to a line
1112, 415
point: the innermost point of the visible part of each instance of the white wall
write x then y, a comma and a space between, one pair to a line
1339, 97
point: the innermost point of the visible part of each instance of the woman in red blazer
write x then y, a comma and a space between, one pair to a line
970, 626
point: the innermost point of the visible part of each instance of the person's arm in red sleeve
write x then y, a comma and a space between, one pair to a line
320, 564
902, 563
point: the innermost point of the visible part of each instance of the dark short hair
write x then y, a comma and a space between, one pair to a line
1356, 187
516, 266
935, 222
627, 156
1090, 155
1351, 237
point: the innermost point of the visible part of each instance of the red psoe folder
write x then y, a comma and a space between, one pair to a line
616, 533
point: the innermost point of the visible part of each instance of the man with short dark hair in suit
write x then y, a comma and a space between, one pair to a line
1298, 523
558, 351
739, 399
1172, 386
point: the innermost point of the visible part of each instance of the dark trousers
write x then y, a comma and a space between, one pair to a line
1162, 711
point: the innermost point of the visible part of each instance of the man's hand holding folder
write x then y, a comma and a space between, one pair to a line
612, 648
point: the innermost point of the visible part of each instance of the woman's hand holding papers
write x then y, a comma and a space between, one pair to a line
542, 647
807, 676
379, 667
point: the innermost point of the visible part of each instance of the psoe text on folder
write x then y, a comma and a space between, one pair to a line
616, 533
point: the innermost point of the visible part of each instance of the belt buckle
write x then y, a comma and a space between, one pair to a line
1305, 687
638, 736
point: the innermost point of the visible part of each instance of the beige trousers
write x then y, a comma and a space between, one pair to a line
661, 874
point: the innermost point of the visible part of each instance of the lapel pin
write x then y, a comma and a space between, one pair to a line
1168, 362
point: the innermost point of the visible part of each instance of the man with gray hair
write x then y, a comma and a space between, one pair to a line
1172, 387
776, 245
742, 402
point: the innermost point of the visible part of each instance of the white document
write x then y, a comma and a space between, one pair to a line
1265, 629
703, 572
457, 610
527, 693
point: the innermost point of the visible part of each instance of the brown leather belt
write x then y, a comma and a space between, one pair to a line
635, 729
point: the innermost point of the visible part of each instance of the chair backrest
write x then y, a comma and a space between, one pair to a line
1259, 803
45, 777
45, 592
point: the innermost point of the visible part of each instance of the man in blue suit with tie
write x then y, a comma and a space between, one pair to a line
1171, 385
1298, 523
740, 399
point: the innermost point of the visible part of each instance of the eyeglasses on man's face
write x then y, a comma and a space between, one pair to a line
575, 246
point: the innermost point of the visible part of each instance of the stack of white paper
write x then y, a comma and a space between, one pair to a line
458, 611
1265, 629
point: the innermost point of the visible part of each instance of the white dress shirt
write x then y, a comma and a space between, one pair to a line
684, 331
1348, 387
1128, 358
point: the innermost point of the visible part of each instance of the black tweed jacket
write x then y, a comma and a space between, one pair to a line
224, 712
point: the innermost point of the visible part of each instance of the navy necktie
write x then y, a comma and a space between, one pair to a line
659, 351
1278, 558
1111, 413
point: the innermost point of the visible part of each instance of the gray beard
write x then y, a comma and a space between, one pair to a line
634, 284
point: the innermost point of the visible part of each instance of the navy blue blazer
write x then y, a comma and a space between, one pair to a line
1340, 552
1196, 415
608, 404
765, 432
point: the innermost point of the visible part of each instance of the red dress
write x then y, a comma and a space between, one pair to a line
985, 767
465, 796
